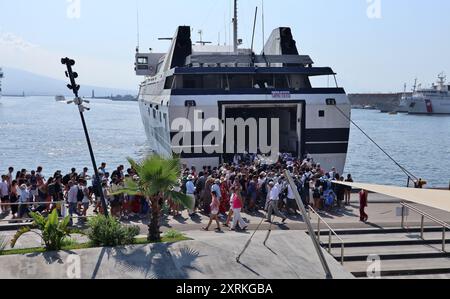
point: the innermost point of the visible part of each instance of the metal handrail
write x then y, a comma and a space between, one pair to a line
424, 215
331, 232
309, 226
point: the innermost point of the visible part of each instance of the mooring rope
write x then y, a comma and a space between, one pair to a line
407, 172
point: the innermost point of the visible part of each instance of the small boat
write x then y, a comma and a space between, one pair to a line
60, 98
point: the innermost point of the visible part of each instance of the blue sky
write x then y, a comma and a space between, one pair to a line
369, 54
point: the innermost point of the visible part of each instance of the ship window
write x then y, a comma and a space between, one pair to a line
264, 81
142, 60
212, 82
192, 81
169, 82
240, 81
321, 113
281, 81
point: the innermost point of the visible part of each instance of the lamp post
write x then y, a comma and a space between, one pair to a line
79, 102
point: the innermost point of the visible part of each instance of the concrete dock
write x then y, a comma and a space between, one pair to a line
402, 251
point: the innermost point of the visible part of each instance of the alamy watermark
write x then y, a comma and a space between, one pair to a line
73, 262
73, 10
374, 9
231, 136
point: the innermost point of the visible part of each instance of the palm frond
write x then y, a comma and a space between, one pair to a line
19, 233
134, 164
157, 175
179, 198
131, 187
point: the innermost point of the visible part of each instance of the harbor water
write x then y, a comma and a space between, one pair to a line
40, 131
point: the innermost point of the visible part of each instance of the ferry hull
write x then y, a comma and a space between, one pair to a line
318, 129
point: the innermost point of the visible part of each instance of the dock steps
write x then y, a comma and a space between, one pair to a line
402, 253
343, 232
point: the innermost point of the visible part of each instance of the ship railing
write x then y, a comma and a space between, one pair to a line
331, 233
445, 226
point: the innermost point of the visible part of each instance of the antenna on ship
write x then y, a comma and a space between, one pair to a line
254, 28
201, 42
235, 27
263, 27
137, 27
415, 85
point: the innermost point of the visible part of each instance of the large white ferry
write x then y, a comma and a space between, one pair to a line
225, 82
434, 100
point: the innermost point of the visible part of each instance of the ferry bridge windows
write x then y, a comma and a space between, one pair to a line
281, 81
212, 82
192, 81
264, 81
321, 113
239, 81
299, 82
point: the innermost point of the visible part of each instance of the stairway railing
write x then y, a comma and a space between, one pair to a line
424, 216
305, 216
331, 232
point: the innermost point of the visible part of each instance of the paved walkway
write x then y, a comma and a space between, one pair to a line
289, 255
382, 212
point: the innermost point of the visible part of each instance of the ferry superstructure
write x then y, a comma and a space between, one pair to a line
222, 82
434, 100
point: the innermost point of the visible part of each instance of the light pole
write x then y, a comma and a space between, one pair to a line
79, 102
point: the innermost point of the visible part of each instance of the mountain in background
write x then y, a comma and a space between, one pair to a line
17, 82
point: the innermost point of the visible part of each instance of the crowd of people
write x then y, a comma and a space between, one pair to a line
246, 185
71, 193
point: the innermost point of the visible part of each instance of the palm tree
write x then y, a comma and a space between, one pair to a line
158, 178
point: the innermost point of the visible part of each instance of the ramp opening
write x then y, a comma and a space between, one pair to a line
290, 126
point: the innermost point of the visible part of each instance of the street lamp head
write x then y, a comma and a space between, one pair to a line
68, 61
